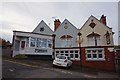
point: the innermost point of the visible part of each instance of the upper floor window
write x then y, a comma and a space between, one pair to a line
42, 29
93, 39
66, 41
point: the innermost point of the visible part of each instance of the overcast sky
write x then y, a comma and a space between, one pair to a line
25, 16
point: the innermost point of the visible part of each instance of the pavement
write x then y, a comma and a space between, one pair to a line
47, 64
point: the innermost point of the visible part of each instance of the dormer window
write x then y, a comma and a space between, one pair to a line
42, 29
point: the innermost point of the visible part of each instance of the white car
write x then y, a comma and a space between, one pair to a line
61, 60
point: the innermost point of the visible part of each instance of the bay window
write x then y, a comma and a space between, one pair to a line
39, 42
44, 43
49, 43
33, 42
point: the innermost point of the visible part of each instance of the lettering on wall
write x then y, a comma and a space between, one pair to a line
40, 51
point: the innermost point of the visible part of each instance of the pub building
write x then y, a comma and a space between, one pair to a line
90, 46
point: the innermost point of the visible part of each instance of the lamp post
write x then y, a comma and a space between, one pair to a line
79, 34
53, 53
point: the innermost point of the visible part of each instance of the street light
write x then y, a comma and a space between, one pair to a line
53, 53
79, 34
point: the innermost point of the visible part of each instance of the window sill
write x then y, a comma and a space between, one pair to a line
95, 59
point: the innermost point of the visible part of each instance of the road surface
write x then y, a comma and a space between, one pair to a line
14, 69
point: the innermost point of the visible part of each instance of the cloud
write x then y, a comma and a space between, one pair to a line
25, 16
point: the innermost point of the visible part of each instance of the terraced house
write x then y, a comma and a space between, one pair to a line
90, 46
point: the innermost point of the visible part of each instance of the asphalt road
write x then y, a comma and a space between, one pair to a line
19, 69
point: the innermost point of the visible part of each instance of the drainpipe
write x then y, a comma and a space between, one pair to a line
53, 53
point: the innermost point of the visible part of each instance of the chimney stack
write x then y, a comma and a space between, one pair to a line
56, 24
103, 19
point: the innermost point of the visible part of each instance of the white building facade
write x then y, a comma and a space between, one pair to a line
38, 42
65, 39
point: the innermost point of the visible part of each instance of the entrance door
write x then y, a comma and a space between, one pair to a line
22, 47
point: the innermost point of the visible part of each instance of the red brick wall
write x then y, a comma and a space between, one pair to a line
108, 64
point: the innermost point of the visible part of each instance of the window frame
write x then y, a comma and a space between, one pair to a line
31, 40
91, 40
97, 54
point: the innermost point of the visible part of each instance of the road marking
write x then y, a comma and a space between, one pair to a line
11, 70
89, 76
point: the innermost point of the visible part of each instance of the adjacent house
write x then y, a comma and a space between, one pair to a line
37, 42
97, 44
65, 39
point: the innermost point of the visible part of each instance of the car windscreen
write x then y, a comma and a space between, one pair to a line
61, 57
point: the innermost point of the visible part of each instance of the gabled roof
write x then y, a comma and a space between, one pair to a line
40, 23
63, 22
94, 18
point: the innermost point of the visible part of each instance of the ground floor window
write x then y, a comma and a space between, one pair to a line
73, 54
95, 54
27, 42
44, 43
32, 42
38, 42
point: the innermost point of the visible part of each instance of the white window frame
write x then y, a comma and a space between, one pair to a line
78, 55
91, 40
66, 42
28, 42
73, 56
96, 59
35, 41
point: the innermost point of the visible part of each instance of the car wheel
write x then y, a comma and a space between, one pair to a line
67, 66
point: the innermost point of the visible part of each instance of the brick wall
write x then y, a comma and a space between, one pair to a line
108, 64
